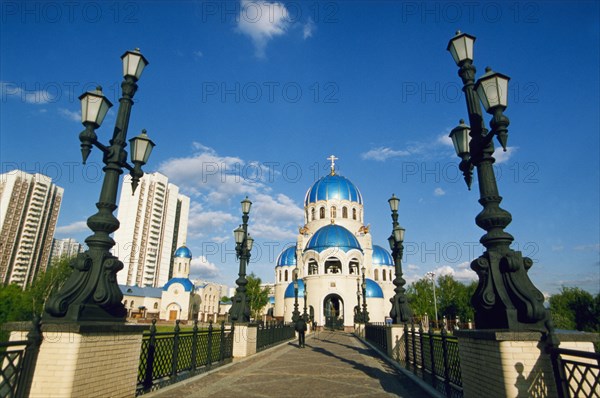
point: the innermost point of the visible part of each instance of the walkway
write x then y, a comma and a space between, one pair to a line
333, 364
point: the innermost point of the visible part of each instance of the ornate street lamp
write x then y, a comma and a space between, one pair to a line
365, 313
432, 276
358, 315
305, 314
240, 309
505, 297
400, 311
295, 313
91, 292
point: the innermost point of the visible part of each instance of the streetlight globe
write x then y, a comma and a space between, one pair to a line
461, 47
394, 203
249, 242
492, 89
460, 139
133, 64
246, 204
94, 106
238, 234
141, 148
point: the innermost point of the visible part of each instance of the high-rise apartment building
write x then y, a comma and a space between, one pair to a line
29, 206
154, 224
68, 247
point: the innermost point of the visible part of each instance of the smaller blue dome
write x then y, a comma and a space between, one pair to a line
289, 291
272, 299
373, 289
333, 235
183, 251
187, 284
382, 256
287, 257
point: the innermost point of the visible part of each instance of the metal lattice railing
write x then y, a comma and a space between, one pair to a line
17, 363
376, 333
169, 357
271, 333
577, 373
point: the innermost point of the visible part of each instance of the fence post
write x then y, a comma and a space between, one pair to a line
421, 348
194, 345
222, 342
150, 361
446, 366
414, 348
432, 353
406, 350
210, 343
557, 368
34, 340
175, 350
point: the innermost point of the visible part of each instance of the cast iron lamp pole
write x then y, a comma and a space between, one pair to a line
91, 292
400, 311
305, 314
365, 313
505, 297
432, 276
358, 315
295, 313
240, 310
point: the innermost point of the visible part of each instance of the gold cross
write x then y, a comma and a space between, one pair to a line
333, 159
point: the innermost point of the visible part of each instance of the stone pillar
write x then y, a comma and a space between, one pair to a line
244, 340
395, 334
500, 363
359, 330
86, 360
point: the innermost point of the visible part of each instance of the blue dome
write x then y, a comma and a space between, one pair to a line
287, 257
333, 236
272, 299
183, 251
382, 256
333, 187
373, 289
289, 291
188, 286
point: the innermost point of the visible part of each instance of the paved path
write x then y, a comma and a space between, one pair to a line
333, 364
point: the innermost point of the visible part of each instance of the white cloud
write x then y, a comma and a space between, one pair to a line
36, 96
308, 28
71, 115
73, 228
412, 267
445, 140
590, 247
198, 54
382, 154
503, 157
202, 268
439, 192
462, 273
262, 21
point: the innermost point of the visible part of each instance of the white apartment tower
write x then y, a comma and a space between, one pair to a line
154, 224
68, 247
29, 206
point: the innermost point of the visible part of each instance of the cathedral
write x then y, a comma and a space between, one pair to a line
332, 253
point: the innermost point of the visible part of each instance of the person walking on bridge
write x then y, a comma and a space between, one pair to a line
301, 329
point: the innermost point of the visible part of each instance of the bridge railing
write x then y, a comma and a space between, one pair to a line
376, 333
577, 373
271, 333
169, 357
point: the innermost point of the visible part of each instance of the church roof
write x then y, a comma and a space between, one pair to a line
287, 257
333, 236
333, 186
382, 256
187, 284
289, 291
183, 251
373, 289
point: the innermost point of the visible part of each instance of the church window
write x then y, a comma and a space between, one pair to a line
353, 266
125, 303
376, 274
344, 212
312, 214
354, 214
131, 305
333, 266
390, 275
279, 275
179, 268
155, 306
333, 212
313, 269
322, 212
285, 276
384, 275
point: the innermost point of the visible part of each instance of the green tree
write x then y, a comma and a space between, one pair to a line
574, 308
454, 298
46, 283
258, 296
420, 298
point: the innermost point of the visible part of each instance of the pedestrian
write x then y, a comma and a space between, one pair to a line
301, 329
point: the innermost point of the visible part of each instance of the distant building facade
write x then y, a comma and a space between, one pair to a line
68, 247
29, 207
154, 223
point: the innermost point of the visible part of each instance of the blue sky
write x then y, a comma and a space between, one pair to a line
250, 98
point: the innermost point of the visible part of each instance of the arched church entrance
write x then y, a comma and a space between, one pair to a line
333, 308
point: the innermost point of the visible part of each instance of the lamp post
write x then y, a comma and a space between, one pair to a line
400, 311
358, 315
91, 292
365, 313
240, 309
505, 297
305, 314
432, 276
295, 313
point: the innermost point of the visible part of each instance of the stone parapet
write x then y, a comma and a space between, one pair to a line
244, 340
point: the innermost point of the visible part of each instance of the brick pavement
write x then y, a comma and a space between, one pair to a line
333, 364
